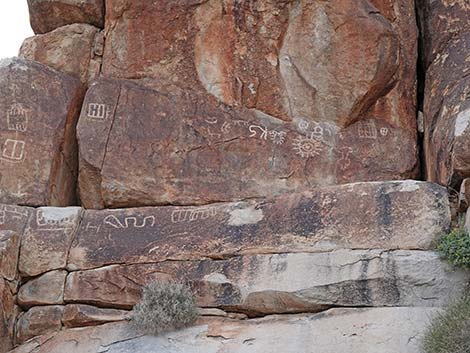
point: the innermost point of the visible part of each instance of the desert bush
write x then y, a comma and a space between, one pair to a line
449, 331
164, 306
455, 247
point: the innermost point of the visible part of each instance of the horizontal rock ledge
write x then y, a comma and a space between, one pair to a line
383, 215
282, 283
388, 330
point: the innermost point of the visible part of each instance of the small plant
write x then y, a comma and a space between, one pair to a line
455, 247
164, 306
449, 331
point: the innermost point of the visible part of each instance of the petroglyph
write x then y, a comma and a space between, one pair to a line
191, 215
17, 118
130, 221
13, 151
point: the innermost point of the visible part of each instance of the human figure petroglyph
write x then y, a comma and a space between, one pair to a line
345, 160
131, 221
277, 137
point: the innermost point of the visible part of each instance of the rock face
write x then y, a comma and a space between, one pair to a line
47, 238
74, 49
446, 32
38, 321
258, 151
277, 78
228, 122
47, 289
47, 15
9, 252
14, 218
7, 316
387, 330
390, 215
39, 106
282, 283
139, 147
86, 315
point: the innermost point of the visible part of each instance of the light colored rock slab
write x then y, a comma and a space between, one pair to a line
264, 284
47, 289
385, 330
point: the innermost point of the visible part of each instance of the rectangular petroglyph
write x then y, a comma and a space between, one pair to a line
191, 215
13, 151
97, 111
17, 118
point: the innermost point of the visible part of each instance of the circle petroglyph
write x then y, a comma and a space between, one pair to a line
307, 147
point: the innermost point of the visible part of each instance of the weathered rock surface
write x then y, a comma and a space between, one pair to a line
47, 289
47, 15
386, 330
47, 239
7, 316
283, 283
389, 215
74, 49
79, 315
195, 152
446, 33
229, 122
40, 107
277, 78
38, 321
9, 253
14, 218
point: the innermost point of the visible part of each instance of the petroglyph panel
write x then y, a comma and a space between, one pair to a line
47, 238
153, 149
389, 215
38, 108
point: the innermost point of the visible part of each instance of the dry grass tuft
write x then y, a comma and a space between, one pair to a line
449, 332
165, 306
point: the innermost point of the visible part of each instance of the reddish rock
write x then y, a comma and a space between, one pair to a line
14, 218
7, 316
389, 215
38, 321
9, 251
464, 195
384, 330
46, 15
193, 151
282, 283
74, 49
229, 122
79, 315
39, 108
297, 69
113, 287
47, 289
47, 239
446, 42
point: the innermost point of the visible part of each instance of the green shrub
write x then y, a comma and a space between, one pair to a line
164, 306
455, 247
449, 332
